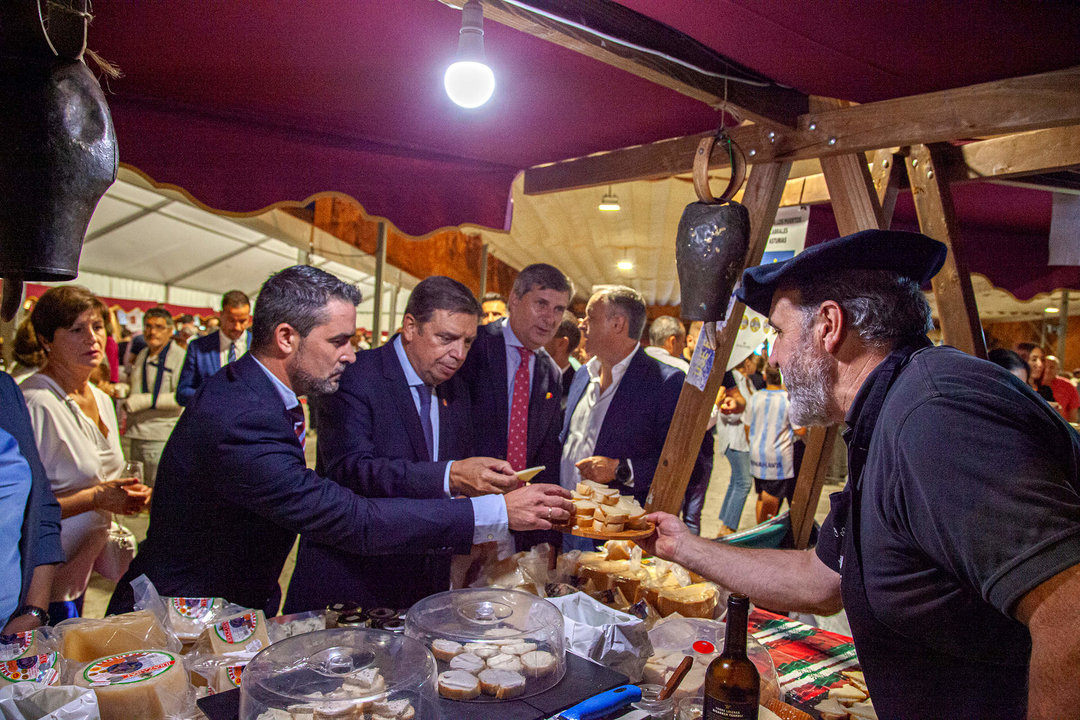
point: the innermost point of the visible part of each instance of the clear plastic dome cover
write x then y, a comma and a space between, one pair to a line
342, 672
483, 630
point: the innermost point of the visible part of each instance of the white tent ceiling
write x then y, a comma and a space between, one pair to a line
149, 243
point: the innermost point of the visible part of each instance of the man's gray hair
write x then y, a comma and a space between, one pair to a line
541, 276
664, 327
627, 302
883, 307
297, 296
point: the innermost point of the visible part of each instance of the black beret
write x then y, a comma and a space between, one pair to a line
912, 255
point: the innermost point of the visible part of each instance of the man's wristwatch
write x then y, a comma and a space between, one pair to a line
40, 613
623, 474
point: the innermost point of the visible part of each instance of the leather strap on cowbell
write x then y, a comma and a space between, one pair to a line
701, 168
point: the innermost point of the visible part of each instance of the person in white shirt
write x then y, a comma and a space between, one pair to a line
772, 445
77, 437
152, 410
736, 447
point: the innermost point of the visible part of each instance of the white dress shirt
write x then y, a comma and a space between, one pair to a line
76, 455
224, 341
659, 353
588, 418
513, 361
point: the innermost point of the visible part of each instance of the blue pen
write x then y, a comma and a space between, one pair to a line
603, 704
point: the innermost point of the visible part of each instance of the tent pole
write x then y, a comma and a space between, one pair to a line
483, 269
380, 262
1063, 327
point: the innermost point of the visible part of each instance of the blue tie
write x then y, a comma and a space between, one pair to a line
232, 352
425, 418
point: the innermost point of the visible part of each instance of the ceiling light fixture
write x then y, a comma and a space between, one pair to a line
1052, 310
469, 81
610, 202
625, 265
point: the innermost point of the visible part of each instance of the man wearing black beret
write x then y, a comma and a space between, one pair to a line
955, 547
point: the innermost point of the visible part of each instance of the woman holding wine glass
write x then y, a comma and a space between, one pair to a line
77, 437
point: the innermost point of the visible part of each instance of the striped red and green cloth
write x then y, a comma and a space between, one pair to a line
808, 660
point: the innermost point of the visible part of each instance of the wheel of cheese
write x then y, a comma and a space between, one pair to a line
17, 645
144, 684
41, 669
245, 632
86, 639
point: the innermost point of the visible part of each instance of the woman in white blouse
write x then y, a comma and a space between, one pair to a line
77, 437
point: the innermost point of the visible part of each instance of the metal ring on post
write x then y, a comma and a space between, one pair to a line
701, 169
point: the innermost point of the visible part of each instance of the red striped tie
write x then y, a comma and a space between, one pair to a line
517, 435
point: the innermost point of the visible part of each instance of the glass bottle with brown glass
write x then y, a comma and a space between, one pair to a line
732, 681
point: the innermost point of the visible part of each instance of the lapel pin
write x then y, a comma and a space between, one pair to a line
548, 397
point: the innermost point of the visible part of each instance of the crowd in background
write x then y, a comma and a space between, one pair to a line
99, 393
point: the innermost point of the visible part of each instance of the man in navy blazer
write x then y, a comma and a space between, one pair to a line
621, 402
206, 355
535, 309
233, 488
375, 440
39, 523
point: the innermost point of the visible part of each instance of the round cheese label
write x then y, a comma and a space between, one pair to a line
128, 668
192, 608
34, 668
233, 673
238, 629
15, 645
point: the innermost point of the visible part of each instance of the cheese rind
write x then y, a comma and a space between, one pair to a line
144, 684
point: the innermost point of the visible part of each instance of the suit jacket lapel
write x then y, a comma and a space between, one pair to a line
496, 357
403, 400
538, 400
623, 403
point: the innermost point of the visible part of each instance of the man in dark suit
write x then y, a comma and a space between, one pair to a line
515, 389
233, 488
36, 530
206, 355
621, 402
560, 349
400, 426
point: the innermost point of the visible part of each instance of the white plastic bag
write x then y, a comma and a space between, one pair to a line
615, 639
29, 701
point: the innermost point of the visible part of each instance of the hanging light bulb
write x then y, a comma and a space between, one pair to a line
610, 202
625, 264
469, 81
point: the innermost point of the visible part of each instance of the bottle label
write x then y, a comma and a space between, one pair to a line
717, 710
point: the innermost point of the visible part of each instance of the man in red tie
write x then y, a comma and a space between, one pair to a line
514, 384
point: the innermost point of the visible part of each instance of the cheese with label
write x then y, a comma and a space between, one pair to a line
40, 669
145, 684
85, 639
17, 645
228, 677
190, 616
241, 633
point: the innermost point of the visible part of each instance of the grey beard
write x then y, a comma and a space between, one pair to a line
809, 378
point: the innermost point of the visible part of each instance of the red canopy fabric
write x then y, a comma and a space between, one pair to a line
33, 290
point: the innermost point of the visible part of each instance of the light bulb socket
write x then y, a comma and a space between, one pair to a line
609, 203
471, 36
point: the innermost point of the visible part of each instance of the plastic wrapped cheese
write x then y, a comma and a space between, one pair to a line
41, 669
17, 645
242, 633
144, 684
227, 677
190, 616
86, 639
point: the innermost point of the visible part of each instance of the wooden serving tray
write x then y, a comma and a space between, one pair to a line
624, 535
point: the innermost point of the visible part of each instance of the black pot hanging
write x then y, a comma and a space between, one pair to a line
58, 151
712, 239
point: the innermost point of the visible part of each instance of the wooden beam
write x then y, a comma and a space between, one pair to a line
762, 197
856, 205
997, 108
770, 104
1013, 156
887, 170
957, 311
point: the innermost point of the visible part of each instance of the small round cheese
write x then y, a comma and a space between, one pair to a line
467, 662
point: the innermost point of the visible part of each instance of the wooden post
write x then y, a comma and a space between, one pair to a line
484, 250
928, 172
380, 263
762, 198
856, 205
1063, 327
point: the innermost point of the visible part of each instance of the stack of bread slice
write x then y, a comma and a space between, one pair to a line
600, 509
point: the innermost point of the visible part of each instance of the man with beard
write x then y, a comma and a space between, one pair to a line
233, 488
954, 547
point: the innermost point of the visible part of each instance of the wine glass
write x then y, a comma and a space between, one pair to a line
133, 469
